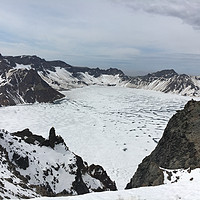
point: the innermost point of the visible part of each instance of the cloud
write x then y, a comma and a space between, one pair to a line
186, 10
101, 32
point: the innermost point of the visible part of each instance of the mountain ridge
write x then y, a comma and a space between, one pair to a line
59, 76
168, 81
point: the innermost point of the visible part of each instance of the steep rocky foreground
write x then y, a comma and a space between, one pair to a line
179, 148
32, 166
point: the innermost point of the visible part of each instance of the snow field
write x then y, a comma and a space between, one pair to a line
176, 191
115, 127
61, 79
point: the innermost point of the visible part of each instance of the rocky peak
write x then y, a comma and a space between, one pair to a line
97, 171
178, 148
168, 81
42, 65
167, 73
46, 167
53, 139
96, 72
36, 62
25, 59
26, 86
30, 138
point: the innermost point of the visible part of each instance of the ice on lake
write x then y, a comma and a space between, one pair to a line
115, 127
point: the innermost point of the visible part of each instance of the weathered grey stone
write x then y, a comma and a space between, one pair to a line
179, 147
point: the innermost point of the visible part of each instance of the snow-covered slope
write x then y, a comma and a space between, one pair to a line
184, 190
168, 81
34, 166
113, 126
24, 85
61, 79
12, 184
62, 76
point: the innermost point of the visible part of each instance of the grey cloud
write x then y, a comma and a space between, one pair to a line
98, 33
186, 10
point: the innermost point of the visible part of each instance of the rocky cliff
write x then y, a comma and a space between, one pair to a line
179, 148
33, 166
168, 81
26, 86
62, 76
30, 79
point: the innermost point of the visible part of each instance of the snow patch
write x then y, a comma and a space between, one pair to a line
181, 176
21, 66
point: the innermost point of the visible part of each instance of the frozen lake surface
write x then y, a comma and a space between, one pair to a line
114, 127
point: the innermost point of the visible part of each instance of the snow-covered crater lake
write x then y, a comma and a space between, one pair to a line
114, 127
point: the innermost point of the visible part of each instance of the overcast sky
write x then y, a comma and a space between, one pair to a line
137, 36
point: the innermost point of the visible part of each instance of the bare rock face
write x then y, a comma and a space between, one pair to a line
97, 171
35, 166
178, 148
26, 86
168, 81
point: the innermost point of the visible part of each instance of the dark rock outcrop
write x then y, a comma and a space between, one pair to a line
22, 162
29, 137
40, 64
178, 148
167, 73
36, 62
98, 172
26, 86
96, 72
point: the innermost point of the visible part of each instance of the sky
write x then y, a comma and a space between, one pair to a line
136, 36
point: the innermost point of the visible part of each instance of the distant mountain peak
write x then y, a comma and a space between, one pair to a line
61, 76
168, 81
166, 73
177, 149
